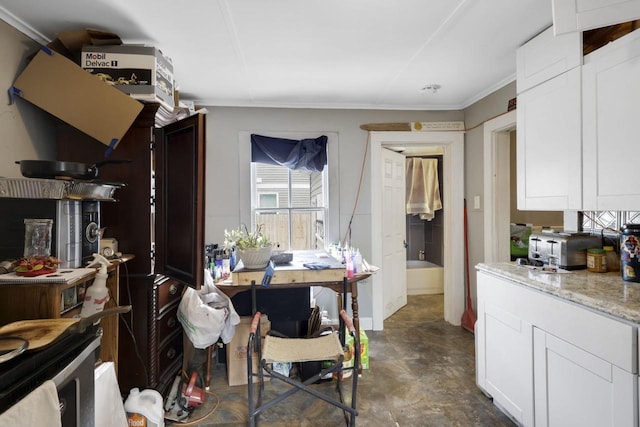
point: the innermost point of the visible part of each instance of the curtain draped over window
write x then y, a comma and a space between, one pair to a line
306, 154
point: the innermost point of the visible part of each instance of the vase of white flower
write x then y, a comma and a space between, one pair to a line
252, 248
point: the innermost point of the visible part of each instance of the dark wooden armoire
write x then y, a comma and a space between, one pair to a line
159, 218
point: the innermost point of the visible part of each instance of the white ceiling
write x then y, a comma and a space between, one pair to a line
365, 54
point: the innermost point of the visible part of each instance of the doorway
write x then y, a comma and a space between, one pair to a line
497, 166
452, 200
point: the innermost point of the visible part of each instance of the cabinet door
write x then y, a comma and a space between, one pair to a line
549, 145
611, 90
580, 15
575, 388
180, 186
547, 56
504, 364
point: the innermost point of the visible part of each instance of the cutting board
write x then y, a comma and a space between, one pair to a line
42, 332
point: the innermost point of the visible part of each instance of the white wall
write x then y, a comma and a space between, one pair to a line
27, 133
224, 192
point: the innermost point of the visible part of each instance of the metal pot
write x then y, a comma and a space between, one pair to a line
54, 169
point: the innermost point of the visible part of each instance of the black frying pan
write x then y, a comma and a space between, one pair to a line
48, 169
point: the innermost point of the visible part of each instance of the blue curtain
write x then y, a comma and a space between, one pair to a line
305, 154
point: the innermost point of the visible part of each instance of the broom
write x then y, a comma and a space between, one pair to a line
468, 317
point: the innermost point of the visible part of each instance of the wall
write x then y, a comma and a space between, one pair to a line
475, 115
223, 163
27, 132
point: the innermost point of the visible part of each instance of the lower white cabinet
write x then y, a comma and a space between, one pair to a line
549, 362
575, 388
504, 364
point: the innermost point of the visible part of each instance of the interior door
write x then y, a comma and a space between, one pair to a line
179, 201
394, 255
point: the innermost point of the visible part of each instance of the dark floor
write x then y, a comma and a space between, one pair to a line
422, 374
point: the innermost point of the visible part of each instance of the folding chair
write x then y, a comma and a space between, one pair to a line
328, 348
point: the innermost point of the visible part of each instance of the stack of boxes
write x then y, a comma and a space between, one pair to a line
142, 72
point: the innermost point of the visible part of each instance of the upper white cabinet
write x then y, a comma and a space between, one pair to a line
579, 15
545, 57
611, 125
549, 129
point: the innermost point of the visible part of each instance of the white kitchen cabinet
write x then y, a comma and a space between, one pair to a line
574, 387
611, 90
549, 127
549, 144
546, 56
549, 362
504, 365
579, 15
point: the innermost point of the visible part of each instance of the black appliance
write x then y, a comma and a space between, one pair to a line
75, 233
69, 363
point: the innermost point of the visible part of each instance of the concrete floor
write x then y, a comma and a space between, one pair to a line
422, 374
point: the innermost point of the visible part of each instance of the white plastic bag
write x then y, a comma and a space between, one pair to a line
207, 314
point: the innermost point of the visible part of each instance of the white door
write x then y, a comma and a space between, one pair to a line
580, 15
394, 255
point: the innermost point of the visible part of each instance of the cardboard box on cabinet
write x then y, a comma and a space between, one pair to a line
143, 72
237, 350
70, 43
59, 86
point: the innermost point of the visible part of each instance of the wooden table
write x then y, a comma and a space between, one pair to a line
296, 275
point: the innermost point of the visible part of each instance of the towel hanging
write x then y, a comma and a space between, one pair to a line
423, 187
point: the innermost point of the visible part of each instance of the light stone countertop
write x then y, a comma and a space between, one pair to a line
603, 292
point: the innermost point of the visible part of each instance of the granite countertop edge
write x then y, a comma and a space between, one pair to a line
603, 292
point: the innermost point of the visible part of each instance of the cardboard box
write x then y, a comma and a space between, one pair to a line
70, 43
364, 349
143, 72
60, 87
237, 351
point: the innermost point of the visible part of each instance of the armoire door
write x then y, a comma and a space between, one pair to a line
179, 200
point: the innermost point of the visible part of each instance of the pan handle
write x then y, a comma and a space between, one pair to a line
111, 161
81, 325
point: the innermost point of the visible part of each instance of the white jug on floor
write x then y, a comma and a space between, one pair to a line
144, 408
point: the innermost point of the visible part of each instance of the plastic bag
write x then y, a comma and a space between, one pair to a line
207, 314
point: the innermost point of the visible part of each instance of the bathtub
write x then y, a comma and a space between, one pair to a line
424, 277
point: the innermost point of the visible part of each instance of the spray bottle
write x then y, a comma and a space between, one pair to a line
97, 294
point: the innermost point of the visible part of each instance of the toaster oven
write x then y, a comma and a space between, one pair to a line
569, 248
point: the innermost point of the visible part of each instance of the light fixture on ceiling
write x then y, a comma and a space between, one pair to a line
432, 88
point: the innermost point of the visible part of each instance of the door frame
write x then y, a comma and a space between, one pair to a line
452, 202
497, 196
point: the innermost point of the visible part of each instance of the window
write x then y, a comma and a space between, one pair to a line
291, 205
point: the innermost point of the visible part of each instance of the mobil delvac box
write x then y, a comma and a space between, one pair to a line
143, 72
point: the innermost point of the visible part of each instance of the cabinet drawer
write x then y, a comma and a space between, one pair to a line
169, 352
167, 322
168, 290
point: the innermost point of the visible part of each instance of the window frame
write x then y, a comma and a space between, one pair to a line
289, 209
332, 209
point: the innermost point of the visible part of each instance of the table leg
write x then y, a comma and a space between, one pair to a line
356, 317
207, 379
